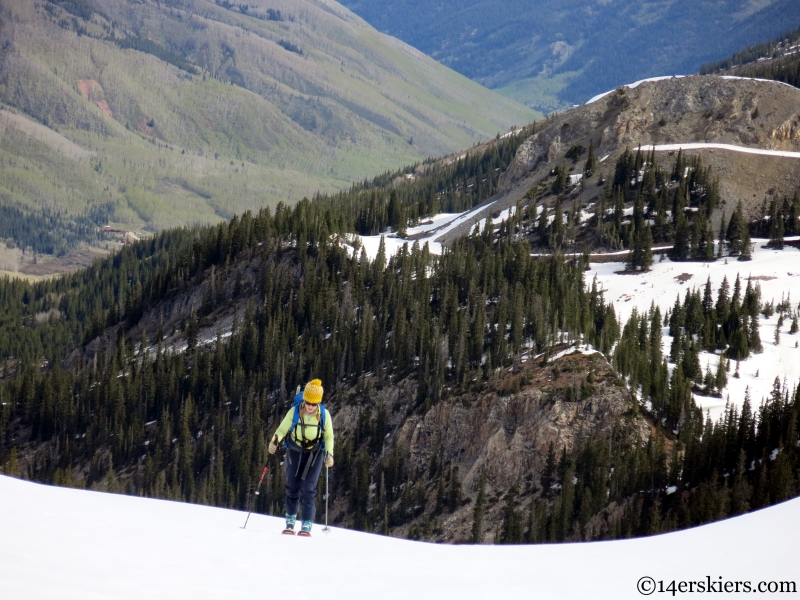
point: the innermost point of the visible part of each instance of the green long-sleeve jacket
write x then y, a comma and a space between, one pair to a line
312, 423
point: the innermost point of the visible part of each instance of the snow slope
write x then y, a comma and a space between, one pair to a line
429, 231
65, 544
776, 271
431, 227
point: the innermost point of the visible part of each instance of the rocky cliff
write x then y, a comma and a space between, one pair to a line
504, 430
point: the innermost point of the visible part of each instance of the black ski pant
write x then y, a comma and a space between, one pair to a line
302, 474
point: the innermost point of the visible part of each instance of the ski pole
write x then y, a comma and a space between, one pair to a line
326, 529
263, 473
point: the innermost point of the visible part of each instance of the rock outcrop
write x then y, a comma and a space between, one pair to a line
712, 109
508, 434
504, 430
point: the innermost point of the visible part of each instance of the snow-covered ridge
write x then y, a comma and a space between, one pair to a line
633, 85
636, 84
75, 544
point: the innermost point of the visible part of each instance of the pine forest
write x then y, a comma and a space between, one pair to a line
95, 395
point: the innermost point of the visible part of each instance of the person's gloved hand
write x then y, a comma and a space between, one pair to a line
329, 460
273, 445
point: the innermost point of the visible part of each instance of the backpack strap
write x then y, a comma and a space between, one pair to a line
297, 421
321, 428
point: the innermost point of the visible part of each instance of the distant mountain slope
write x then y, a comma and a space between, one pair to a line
784, 44
552, 54
153, 115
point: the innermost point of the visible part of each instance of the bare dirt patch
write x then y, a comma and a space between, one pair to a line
75, 260
762, 278
683, 278
90, 88
148, 127
103, 105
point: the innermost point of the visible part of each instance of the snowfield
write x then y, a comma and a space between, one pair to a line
431, 227
60, 543
777, 272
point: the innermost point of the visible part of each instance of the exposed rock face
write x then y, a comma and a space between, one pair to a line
744, 112
509, 435
787, 132
505, 430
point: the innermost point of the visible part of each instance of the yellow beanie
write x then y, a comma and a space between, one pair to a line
313, 392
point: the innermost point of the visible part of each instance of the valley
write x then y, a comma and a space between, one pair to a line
553, 55
149, 117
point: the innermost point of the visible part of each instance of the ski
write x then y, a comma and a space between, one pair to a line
288, 532
304, 534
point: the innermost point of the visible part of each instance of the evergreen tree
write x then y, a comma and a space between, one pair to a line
680, 246
511, 531
549, 472
561, 180
776, 226
591, 163
476, 535
454, 495
746, 252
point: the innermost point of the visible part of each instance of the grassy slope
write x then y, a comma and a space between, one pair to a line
256, 124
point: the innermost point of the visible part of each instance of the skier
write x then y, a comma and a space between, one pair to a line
309, 445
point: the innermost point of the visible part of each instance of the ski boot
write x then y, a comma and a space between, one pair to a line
290, 520
305, 531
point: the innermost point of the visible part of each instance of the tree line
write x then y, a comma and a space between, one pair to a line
48, 232
752, 53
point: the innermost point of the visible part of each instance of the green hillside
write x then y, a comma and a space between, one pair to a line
150, 115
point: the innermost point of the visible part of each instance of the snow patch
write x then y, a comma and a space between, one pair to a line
660, 286
633, 85
729, 147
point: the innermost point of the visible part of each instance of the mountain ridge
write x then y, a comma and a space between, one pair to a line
675, 111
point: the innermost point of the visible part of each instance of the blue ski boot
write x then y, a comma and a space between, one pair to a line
305, 531
290, 520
